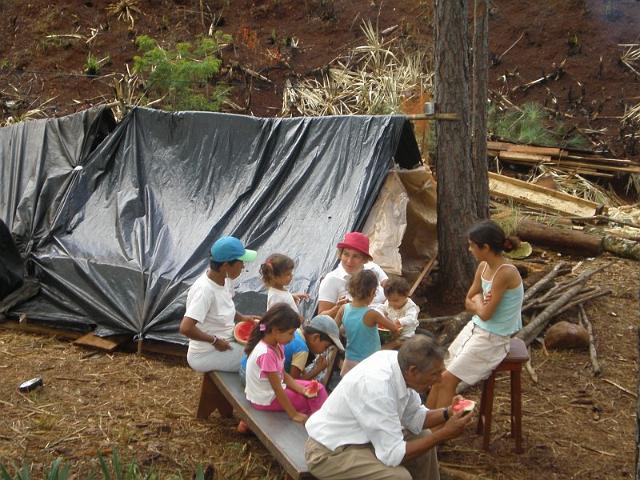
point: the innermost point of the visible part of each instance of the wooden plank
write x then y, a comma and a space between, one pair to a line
425, 271
537, 196
525, 157
515, 147
283, 438
106, 344
40, 329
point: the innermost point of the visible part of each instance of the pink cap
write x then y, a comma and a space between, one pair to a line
356, 241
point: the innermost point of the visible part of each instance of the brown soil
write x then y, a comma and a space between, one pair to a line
590, 94
144, 407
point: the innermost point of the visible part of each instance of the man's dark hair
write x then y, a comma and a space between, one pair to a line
421, 352
215, 266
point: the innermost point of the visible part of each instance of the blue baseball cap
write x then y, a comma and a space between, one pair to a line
227, 249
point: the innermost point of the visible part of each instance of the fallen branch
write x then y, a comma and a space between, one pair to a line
597, 371
629, 392
529, 368
529, 333
580, 300
545, 281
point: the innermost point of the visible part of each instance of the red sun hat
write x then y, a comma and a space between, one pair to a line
356, 241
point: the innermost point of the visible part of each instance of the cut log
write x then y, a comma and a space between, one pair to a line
622, 247
560, 239
597, 371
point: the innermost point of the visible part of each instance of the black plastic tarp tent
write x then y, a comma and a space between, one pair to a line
132, 229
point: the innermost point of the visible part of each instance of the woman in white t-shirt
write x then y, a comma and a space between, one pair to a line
211, 314
277, 273
354, 256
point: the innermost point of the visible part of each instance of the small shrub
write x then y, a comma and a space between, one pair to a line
181, 77
530, 125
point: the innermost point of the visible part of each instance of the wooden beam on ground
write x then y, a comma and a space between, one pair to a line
540, 197
106, 344
40, 330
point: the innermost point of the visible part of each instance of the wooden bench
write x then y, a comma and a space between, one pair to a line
283, 438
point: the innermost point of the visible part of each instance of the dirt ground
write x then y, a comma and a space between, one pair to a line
575, 426
37, 67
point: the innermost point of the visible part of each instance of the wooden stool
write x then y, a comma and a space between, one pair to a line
517, 355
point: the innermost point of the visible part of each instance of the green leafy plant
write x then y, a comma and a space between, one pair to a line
530, 124
182, 77
58, 471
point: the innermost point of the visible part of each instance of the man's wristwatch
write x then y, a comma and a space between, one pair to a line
445, 413
215, 339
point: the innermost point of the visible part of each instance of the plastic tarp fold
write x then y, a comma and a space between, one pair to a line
38, 162
134, 228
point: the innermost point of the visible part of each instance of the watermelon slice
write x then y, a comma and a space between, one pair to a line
312, 388
464, 405
242, 331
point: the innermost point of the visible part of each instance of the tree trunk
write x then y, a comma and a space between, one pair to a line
479, 97
455, 173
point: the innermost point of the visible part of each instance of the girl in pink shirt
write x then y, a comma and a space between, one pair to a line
268, 386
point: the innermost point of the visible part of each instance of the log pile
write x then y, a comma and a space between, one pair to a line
576, 161
549, 298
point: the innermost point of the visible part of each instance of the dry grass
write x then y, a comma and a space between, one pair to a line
578, 186
631, 57
125, 10
93, 403
371, 79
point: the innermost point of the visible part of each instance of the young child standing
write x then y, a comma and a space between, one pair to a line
495, 298
277, 273
269, 387
400, 309
360, 321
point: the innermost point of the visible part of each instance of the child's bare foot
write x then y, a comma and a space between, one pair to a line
243, 428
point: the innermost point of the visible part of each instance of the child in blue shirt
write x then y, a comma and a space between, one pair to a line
360, 321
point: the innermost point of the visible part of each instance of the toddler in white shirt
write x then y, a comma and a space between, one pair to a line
400, 309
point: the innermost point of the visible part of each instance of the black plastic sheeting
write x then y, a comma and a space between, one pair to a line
133, 227
38, 162
11, 265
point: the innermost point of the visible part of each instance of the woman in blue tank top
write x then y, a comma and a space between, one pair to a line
495, 299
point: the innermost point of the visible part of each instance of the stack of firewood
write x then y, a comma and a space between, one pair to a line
577, 161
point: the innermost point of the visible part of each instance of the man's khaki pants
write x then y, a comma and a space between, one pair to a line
353, 462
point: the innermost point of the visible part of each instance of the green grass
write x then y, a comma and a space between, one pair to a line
113, 469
